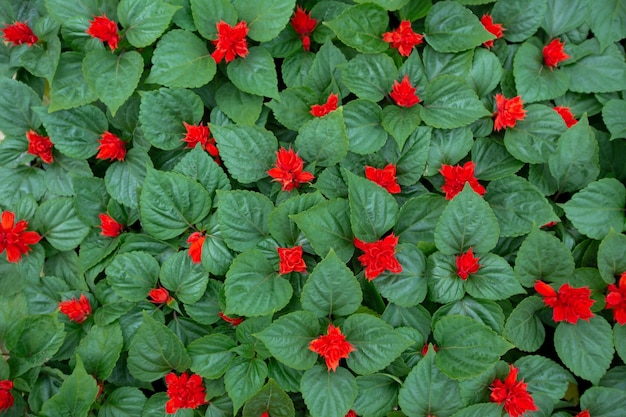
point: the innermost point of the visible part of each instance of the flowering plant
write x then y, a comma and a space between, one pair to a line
316, 208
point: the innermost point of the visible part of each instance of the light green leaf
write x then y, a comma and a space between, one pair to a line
58, 223
361, 27
242, 217
132, 275
521, 20
75, 397
123, 179
265, 18
185, 279
101, 348
207, 13
241, 107
612, 114
144, 20
17, 101
608, 21
69, 87
243, 379
450, 27
255, 74
323, 140
328, 394
612, 256
409, 287
211, 355
523, 327
369, 76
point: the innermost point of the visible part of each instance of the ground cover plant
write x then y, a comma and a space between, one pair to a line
323, 208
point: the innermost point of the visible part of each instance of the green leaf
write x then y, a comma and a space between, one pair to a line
619, 336
534, 80
480, 410
373, 210
198, 165
323, 140
458, 228
69, 87
390, 5
586, 347
281, 226
361, 27
247, 151
612, 113
444, 285
369, 76
101, 348
323, 75
17, 101
171, 203
411, 162
448, 146
495, 280
288, 339
467, 348
265, 18
602, 401
61, 10
270, 398
253, 288
521, 20
450, 27
113, 78
132, 275
58, 223
41, 59
332, 289
328, 394
378, 394
607, 21
211, 355
181, 59
409, 287
439, 63
242, 108
486, 71
185, 279
563, 17
207, 13
124, 179
127, 401
75, 397
492, 160
544, 376
93, 199
601, 71
242, 217
255, 74
417, 218
401, 122
606, 196
523, 327
293, 106
484, 311
243, 379
155, 351
450, 102
612, 256
144, 20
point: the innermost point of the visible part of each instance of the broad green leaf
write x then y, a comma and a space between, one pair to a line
409, 287
444, 285
601, 71
185, 279
612, 114
288, 339
523, 327
242, 217
266, 18
521, 20
123, 179
75, 396
614, 378
450, 102
216, 255
20, 181
93, 199
207, 13
271, 398
247, 151
390, 5
483, 311
323, 73
113, 78
480, 410
58, 176
495, 280
181, 59
132, 275
69, 87
534, 80
323, 140
608, 21
41, 59
612, 256
59, 225
450, 27
492, 160
619, 337
602, 401
378, 394
332, 289
466, 222
418, 217
328, 394
605, 196
144, 20
439, 63
101, 348
281, 226
467, 348
128, 401
211, 355
586, 347
295, 68
401, 122
62, 10
369, 76
241, 107
255, 74
448, 146
412, 158
198, 165
17, 101
361, 27
293, 106
171, 203
244, 378
544, 376
155, 351
486, 71
562, 17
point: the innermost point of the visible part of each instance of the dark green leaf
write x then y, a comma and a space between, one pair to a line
17, 101
144, 20
255, 74
409, 287
75, 397
534, 80
293, 106
544, 376
417, 218
185, 279
126, 401
281, 226
241, 107
124, 179
486, 71
59, 224
523, 327
448, 146
369, 76
69, 87
492, 160
132, 275
562, 17
439, 63
101, 348
612, 256
495, 280
450, 27
361, 27
328, 394
605, 402
612, 113
270, 398
484, 311
266, 18
198, 165
243, 379
607, 21
602, 71
444, 285
323, 73
378, 394
242, 217
207, 13
401, 122
323, 140
521, 20
211, 355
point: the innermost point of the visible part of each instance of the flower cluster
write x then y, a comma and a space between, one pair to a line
289, 170
184, 391
512, 394
568, 304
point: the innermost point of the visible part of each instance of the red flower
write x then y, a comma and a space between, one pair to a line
264, 414
569, 304
332, 347
351, 413
385, 177
549, 225
616, 300
319, 110
566, 114
184, 392
76, 310
303, 24
513, 394
40, 146
425, 349
288, 170
6, 398
553, 53
14, 237
403, 38
111, 147
103, 28
379, 256
404, 93
231, 41
584, 413
455, 178
467, 264
508, 111
291, 260
19, 33
495, 29
200, 134
196, 240
110, 228
159, 296
235, 321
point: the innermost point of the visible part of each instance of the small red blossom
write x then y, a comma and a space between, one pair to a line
495, 29
616, 300
76, 310
467, 264
512, 394
319, 110
103, 28
231, 41
160, 296
425, 349
184, 392
111, 147
566, 114
584, 413
403, 38
549, 225
14, 238
303, 24
553, 53
196, 240
19, 33
568, 303
6, 398
291, 260
289, 170
403, 93
379, 256
234, 321
508, 112
385, 177
265, 414
332, 347
351, 413
200, 134
110, 227
455, 178
40, 146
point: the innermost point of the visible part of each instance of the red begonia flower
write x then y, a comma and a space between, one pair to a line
385, 177
289, 170
111, 147
103, 28
14, 238
553, 53
379, 256
231, 41
495, 29
6, 398
568, 303
455, 178
19, 33
566, 114
40, 146
184, 392
76, 310
319, 110
403, 38
234, 321
110, 227
508, 112
403, 93
291, 260
303, 24
616, 300
512, 394
467, 264
196, 240
584, 413
160, 296
332, 346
